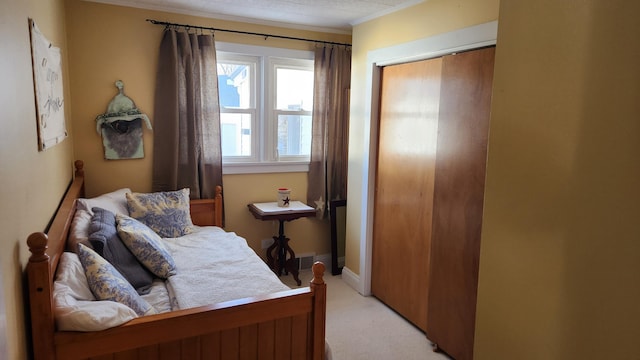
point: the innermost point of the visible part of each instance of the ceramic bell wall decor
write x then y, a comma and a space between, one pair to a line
121, 127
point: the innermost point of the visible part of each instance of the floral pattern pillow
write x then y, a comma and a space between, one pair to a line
106, 283
146, 245
166, 213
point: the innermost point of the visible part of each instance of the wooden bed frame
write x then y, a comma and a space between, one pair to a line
285, 325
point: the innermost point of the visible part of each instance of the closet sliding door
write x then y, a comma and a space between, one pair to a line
410, 95
432, 149
463, 130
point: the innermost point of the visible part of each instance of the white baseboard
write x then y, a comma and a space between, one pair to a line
351, 279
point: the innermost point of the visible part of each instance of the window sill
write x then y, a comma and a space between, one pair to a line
264, 168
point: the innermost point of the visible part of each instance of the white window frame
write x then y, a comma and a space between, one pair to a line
272, 119
264, 157
253, 109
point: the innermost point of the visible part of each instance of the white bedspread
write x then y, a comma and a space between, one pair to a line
215, 266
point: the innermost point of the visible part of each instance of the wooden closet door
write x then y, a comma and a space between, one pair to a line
458, 199
404, 187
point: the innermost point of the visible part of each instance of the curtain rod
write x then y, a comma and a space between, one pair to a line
168, 24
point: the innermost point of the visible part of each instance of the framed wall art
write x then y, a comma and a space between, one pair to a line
49, 93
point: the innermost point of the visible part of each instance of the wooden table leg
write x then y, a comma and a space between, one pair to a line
277, 258
272, 260
290, 264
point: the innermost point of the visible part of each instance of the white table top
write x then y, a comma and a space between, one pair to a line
271, 207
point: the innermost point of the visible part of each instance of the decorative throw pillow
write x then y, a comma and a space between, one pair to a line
107, 283
166, 213
146, 245
114, 201
103, 236
76, 308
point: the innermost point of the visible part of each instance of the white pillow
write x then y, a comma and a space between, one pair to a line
79, 231
75, 306
71, 275
115, 201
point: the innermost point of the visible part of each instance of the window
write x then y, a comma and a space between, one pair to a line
266, 103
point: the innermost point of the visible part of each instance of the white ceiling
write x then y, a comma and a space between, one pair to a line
325, 15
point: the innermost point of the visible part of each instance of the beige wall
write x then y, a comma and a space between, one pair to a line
560, 255
108, 43
32, 182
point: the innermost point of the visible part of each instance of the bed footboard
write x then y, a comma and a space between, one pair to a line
285, 325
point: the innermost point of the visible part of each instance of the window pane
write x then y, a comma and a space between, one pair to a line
294, 89
234, 82
294, 135
236, 134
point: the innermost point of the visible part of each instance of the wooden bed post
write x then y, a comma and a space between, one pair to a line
319, 289
79, 165
218, 206
40, 277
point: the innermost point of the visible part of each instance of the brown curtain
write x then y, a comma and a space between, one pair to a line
186, 143
330, 129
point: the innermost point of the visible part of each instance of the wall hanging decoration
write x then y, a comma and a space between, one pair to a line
121, 127
49, 94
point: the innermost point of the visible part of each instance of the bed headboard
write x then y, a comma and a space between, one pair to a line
47, 248
207, 211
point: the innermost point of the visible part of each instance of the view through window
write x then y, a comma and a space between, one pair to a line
266, 105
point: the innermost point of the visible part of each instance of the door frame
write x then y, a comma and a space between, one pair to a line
468, 38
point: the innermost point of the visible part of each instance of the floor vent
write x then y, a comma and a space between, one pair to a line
305, 261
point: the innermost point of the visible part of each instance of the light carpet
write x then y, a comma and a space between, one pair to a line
360, 327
